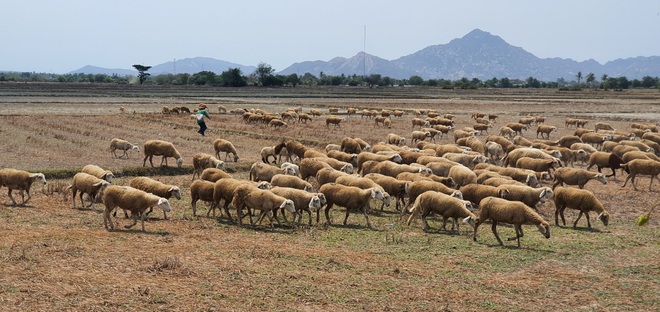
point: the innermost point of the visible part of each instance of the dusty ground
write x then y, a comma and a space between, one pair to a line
58, 258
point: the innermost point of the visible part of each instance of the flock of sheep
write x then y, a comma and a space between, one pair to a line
499, 178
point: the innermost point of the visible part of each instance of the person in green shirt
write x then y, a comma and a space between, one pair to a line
199, 115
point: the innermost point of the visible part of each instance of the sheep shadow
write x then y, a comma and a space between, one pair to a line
580, 228
18, 206
515, 247
138, 231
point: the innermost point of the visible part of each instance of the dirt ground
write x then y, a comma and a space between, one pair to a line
59, 258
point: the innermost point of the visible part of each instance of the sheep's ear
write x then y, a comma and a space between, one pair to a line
98, 183
466, 220
283, 204
542, 229
373, 193
162, 201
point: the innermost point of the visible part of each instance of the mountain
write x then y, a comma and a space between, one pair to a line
198, 64
478, 54
89, 69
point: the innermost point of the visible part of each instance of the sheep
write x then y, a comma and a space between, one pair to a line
380, 120
538, 165
528, 177
264, 172
19, 180
350, 145
517, 128
364, 183
332, 147
506, 132
395, 139
302, 200
576, 176
310, 166
581, 123
345, 157
582, 200
214, 174
520, 140
462, 175
296, 168
165, 110
223, 189
443, 129
418, 122
160, 148
580, 131
465, 159
652, 137
494, 151
512, 212
291, 181
363, 145
523, 193
595, 139
445, 205
628, 156
349, 197
184, 109
87, 184
337, 164
459, 134
476, 192
527, 120
277, 123
202, 161
397, 188
641, 167
310, 153
603, 126
545, 129
315, 112
606, 160
266, 152
328, 175
412, 177
334, 120
512, 157
201, 190
131, 199
221, 145
583, 146
570, 122
119, 144
157, 188
251, 197
501, 180
390, 168
481, 128
98, 172
420, 187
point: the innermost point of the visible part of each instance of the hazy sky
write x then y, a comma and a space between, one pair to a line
61, 36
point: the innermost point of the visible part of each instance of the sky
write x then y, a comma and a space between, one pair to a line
65, 35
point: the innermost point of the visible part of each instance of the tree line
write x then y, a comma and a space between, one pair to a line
265, 76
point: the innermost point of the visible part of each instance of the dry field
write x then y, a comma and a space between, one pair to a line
58, 258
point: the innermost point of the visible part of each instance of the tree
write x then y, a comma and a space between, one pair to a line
415, 80
233, 78
142, 72
579, 76
590, 78
264, 73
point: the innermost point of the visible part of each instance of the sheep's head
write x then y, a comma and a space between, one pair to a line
322, 198
504, 193
544, 228
406, 187
263, 185
288, 205
39, 177
457, 194
314, 203
348, 168
164, 204
425, 170
602, 178
135, 147
377, 194
179, 163
604, 217
289, 171
221, 165
470, 220
175, 191
386, 199
101, 186
107, 176
546, 194
396, 158
308, 188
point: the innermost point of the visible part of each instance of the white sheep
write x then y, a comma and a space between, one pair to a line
582, 200
576, 176
641, 167
303, 201
349, 197
98, 172
291, 181
119, 144
251, 197
268, 151
157, 188
19, 180
87, 184
202, 161
221, 145
444, 205
160, 148
131, 199
265, 172
512, 212
494, 151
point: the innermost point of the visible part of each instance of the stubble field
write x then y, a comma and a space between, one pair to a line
58, 258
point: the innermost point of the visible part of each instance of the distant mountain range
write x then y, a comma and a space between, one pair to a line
478, 54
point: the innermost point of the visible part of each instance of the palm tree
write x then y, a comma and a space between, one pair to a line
579, 76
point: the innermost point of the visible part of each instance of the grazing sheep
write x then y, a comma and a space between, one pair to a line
345, 157
87, 184
98, 172
581, 123
393, 186
595, 139
603, 126
444, 205
202, 161
291, 181
19, 180
395, 139
184, 109
641, 167
476, 192
157, 188
576, 176
214, 174
363, 145
315, 112
538, 165
277, 123
302, 200
582, 200
545, 129
250, 197
131, 199
390, 168
349, 197
465, 159
512, 157
332, 147
334, 120
201, 190
494, 151
166, 110
160, 148
523, 193
462, 175
507, 132
119, 144
606, 160
265, 172
651, 136
221, 145
512, 212
351, 146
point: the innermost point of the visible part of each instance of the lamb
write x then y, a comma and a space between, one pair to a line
19, 180
494, 151
397, 188
395, 139
202, 161
576, 176
201, 190
545, 129
134, 200
523, 193
334, 120
157, 188
603, 126
349, 197
87, 184
250, 197
582, 200
445, 205
221, 145
214, 174
507, 132
462, 175
160, 148
98, 172
302, 200
641, 167
119, 144
290, 181
476, 192
606, 160
516, 213
264, 172
538, 165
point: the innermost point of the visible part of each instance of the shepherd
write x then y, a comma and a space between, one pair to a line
199, 115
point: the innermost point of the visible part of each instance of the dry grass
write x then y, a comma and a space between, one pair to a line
58, 258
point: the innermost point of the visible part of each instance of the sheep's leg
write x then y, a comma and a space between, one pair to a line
458, 226
30, 196
366, 217
578, 218
494, 228
632, 180
651, 183
327, 214
142, 216
134, 216
227, 212
348, 212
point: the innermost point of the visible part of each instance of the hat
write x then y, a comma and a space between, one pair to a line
202, 106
